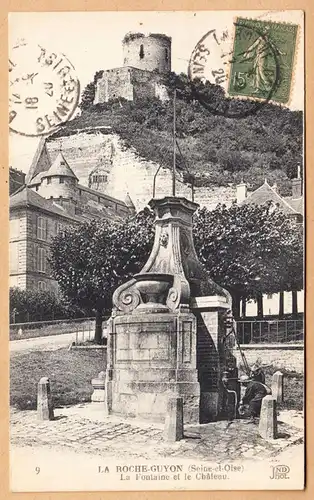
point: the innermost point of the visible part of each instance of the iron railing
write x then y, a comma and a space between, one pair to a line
83, 328
270, 331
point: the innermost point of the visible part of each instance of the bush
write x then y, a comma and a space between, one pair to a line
35, 305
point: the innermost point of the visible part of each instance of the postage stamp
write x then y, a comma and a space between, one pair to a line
253, 60
43, 89
262, 60
156, 251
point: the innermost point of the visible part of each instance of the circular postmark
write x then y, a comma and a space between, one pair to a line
245, 65
43, 89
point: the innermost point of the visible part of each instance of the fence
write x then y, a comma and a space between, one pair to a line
270, 331
82, 328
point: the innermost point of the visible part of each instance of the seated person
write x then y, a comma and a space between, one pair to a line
254, 394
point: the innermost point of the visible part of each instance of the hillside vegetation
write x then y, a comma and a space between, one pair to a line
215, 149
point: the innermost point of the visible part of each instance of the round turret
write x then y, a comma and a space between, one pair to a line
59, 181
149, 53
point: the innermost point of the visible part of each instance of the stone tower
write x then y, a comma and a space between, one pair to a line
148, 53
147, 59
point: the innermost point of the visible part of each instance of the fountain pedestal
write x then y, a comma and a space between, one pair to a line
152, 357
154, 346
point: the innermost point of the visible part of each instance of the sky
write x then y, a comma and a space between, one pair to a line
93, 41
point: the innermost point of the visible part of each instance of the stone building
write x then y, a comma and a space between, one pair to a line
293, 207
51, 200
146, 59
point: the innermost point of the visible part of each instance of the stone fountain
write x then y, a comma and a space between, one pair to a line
166, 332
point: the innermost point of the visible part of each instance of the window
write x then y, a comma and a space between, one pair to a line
41, 260
166, 55
14, 228
269, 296
141, 51
41, 228
42, 285
48, 180
61, 180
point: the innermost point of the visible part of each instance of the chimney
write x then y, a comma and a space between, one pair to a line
297, 186
241, 192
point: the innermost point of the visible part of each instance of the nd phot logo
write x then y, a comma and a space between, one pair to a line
280, 472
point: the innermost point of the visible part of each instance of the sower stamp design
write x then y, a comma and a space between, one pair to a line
263, 57
43, 90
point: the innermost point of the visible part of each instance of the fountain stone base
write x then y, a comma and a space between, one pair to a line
152, 357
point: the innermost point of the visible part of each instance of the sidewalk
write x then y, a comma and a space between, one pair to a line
47, 343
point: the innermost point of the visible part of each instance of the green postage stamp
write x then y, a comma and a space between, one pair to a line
263, 59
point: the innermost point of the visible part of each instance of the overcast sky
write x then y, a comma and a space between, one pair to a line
93, 41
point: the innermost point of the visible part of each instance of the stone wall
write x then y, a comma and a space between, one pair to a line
128, 83
129, 172
290, 357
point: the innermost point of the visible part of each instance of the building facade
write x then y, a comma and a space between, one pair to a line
146, 60
51, 201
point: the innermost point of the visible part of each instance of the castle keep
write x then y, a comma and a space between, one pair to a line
146, 59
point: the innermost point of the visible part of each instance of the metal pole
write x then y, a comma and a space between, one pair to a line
174, 145
154, 181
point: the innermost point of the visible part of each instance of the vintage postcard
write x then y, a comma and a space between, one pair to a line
156, 172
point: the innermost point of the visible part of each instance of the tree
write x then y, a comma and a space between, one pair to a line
250, 250
90, 261
88, 94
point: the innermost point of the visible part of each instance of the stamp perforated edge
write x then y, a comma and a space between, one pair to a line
295, 58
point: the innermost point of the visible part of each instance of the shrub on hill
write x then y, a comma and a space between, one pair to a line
216, 149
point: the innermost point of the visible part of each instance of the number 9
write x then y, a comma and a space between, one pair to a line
37, 470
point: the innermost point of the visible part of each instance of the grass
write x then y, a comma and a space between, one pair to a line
70, 374
43, 330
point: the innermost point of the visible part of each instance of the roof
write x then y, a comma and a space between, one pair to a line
266, 193
37, 179
296, 203
26, 197
40, 161
128, 201
60, 167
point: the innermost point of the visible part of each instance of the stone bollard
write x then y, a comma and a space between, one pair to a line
44, 401
98, 384
268, 419
174, 419
277, 386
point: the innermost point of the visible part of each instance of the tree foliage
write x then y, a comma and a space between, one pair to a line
250, 249
247, 249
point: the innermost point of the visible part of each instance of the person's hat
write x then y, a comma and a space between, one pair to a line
244, 378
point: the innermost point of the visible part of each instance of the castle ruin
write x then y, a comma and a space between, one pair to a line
146, 60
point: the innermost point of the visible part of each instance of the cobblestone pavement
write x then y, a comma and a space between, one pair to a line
86, 431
